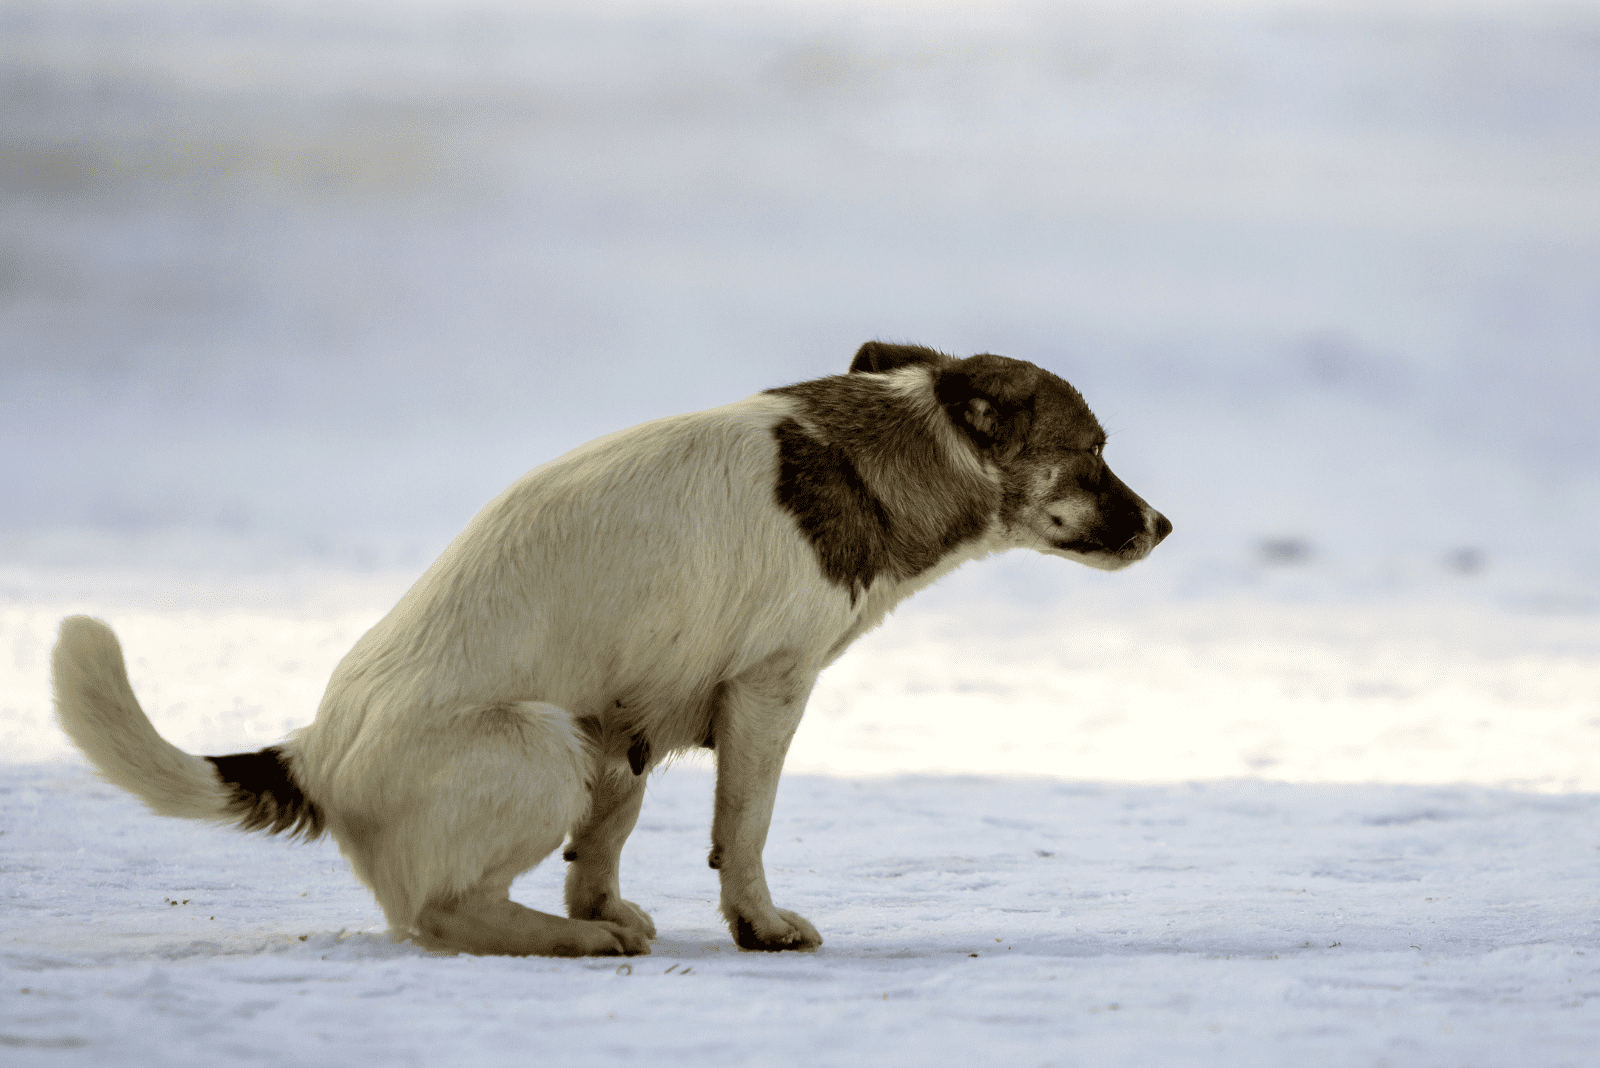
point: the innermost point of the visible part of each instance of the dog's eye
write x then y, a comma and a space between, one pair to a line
1096, 451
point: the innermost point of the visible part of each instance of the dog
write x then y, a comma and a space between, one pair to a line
676, 585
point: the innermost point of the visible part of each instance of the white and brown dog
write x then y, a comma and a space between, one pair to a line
675, 585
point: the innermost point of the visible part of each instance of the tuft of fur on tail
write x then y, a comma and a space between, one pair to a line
96, 707
265, 795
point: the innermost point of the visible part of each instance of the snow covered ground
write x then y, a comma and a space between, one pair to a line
1244, 828
967, 920
288, 290
1003, 921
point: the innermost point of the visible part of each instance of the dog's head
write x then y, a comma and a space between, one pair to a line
1046, 447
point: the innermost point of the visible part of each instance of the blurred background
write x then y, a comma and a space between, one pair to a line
286, 279
289, 284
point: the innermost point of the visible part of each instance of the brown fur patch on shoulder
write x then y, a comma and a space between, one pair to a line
864, 472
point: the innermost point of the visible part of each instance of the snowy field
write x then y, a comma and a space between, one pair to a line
967, 920
1240, 830
289, 290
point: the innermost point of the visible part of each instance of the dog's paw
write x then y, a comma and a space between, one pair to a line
781, 930
627, 914
615, 910
597, 938
634, 942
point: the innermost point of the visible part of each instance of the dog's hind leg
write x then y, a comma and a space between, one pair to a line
753, 725
487, 921
473, 801
595, 851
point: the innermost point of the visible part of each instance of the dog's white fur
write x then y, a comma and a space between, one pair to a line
641, 595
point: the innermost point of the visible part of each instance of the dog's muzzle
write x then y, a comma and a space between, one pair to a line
1156, 529
1160, 529
1141, 543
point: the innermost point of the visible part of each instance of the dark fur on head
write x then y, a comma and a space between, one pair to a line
862, 474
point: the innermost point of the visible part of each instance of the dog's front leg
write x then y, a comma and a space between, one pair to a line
752, 726
594, 852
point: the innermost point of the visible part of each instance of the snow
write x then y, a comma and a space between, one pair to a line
1241, 829
1234, 923
288, 291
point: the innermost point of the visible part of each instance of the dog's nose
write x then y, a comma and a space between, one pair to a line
1163, 527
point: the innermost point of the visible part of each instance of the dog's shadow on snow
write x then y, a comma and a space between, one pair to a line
695, 944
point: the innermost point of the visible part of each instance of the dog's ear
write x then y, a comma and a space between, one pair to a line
880, 357
992, 406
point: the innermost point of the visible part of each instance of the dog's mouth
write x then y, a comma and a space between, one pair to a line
1113, 557
1104, 557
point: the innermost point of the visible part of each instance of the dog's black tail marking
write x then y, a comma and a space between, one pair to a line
96, 707
264, 795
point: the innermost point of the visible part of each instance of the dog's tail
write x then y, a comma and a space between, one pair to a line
97, 709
